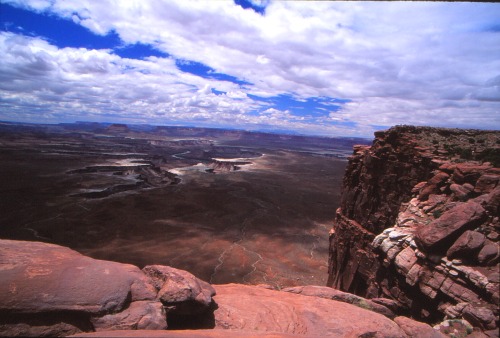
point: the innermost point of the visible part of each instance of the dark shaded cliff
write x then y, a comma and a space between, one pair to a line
419, 223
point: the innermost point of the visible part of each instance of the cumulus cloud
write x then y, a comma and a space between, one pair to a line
36, 73
396, 62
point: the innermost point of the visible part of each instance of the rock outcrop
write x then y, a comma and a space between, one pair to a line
419, 224
49, 290
251, 307
218, 166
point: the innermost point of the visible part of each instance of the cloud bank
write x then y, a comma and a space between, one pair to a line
329, 68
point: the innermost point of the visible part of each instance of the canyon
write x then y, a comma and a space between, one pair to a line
217, 203
413, 250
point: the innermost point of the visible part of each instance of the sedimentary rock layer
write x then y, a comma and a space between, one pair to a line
419, 223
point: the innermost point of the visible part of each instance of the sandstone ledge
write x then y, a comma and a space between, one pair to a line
186, 333
49, 290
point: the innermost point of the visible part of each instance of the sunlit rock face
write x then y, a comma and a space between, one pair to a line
50, 290
419, 223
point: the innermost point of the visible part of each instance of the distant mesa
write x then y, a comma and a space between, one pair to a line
138, 175
217, 166
118, 128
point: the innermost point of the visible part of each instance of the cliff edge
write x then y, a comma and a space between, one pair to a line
49, 290
419, 224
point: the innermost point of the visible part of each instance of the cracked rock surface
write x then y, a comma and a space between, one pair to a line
419, 224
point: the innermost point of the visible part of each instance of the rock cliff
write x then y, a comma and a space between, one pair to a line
419, 224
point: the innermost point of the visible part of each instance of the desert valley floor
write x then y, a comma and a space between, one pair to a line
227, 206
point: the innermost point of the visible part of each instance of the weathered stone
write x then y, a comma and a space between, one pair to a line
433, 202
448, 167
450, 225
460, 193
427, 290
414, 274
418, 187
489, 253
386, 245
141, 315
405, 260
454, 311
486, 183
494, 277
180, 289
49, 290
397, 235
480, 316
433, 279
391, 304
329, 293
491, 334
393, 252
494, 291
40, 277
412, 328
491, 201
458, 291
433, 185
469, 172
466, 246
261, 310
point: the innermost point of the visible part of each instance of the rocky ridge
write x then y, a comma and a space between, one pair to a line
419, 224
49, 290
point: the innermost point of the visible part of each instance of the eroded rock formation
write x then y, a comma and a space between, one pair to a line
284, 312
49, 290
419, 223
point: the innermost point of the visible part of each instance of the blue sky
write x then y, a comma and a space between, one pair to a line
319, 68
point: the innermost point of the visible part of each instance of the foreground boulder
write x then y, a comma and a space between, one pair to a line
254, 311
243, 307
49, 290
179, 290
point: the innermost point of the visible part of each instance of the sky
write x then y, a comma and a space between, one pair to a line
327, 68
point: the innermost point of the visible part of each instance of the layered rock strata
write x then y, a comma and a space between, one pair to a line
419, 223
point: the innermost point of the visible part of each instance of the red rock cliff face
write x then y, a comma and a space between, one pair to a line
418, 223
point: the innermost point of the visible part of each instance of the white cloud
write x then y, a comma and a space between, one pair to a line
237, 95
35, 73
399, 62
